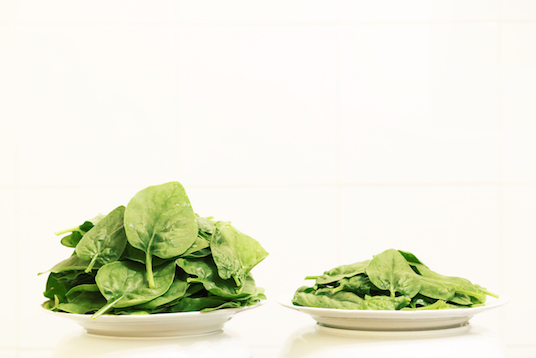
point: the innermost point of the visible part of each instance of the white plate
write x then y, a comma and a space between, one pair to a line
393, 320
155, 325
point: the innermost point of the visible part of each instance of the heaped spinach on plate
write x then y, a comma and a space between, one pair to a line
154, 256
392, 280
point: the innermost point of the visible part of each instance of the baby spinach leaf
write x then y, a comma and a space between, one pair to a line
228, 304
86, 303
73, 239
196, 290
176, 291
200, 248
132, 311
49, 305
438, 305
124, 284
306, 289
133, 254
436, 289
390, 271
83, 302
410, 257
206, 226
73, 263
77, 232
105, 242
342, 296
160, 221
235, 253
460, 285
55, 287
59, 284
205, 271
189, 304
421, 301
461, 299
340, 272
88, 287
384, 303
341, 300
359, 284
198, 254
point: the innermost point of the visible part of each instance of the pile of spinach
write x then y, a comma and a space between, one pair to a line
154, 256
392, 280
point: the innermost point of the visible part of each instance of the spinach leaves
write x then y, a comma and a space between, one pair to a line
392, 280
154, 256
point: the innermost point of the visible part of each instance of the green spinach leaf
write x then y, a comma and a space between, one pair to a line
83, 299
160, 221
124, 284
384, 303
340, 300
175, 292
77, 232
359, 285
73, 263
205, 271
105, 242
235, 253
340, 272
390, 271
189, 304
200, 248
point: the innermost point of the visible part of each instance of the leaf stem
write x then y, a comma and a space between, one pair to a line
337, 289
106, 307
474, 294
491, 294
91, 264
73, 229
149, 266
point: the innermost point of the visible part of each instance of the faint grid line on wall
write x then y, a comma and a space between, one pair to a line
500, 162
275, 186
338, 133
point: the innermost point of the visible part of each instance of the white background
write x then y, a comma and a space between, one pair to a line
328, 130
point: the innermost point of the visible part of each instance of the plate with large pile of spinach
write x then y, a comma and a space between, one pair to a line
154, 259
392, 291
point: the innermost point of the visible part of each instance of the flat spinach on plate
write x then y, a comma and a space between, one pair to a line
392, 280
154, 256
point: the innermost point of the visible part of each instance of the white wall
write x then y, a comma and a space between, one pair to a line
328, 130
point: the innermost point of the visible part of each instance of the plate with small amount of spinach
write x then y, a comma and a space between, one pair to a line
151, 257
392, 291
